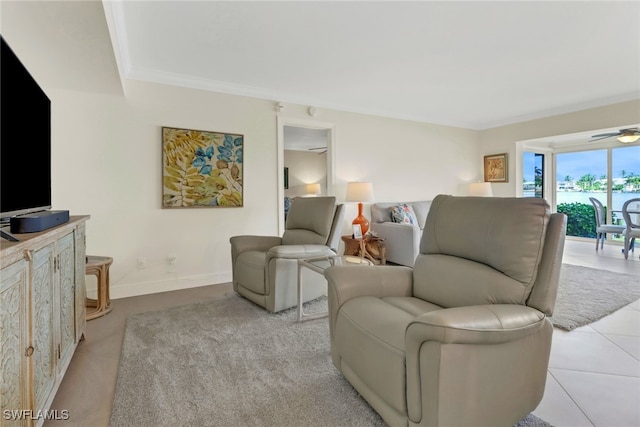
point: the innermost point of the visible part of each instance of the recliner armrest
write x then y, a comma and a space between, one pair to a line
240, 244
299, 251
479, 324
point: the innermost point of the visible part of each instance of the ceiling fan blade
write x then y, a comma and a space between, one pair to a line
318, 148
606, 135
602, 137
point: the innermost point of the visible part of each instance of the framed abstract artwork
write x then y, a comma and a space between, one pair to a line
496, 168
201, 168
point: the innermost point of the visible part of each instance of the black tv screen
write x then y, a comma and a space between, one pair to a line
25, 139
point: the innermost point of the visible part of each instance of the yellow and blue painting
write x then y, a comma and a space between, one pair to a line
201, 168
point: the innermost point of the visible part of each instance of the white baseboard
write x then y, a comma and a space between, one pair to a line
152, 287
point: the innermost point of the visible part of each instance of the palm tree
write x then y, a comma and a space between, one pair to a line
586, 181
633, 181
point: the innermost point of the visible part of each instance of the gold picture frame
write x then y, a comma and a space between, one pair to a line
201, 168
496, 168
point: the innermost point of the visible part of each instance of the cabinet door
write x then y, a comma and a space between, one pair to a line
43, 325
81, 290
14, 342
65, 290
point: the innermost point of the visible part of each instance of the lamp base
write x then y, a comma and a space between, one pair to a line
363, 223
361, 220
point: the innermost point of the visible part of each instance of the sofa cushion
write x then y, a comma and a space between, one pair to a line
381, 211
403, 214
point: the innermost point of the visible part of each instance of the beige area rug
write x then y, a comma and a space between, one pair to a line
588, 294
226, 362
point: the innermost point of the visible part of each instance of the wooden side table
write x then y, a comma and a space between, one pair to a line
372, 248
99, 266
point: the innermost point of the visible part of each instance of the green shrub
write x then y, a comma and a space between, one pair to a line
581, 220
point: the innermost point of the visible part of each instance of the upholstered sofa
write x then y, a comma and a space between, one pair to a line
402, 239
462, 338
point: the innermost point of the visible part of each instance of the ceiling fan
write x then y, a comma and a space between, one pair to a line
623, 135
321, 150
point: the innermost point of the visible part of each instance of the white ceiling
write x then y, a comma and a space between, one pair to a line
472, 64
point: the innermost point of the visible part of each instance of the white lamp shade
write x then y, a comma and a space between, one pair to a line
480, 189
313, 189
359, 192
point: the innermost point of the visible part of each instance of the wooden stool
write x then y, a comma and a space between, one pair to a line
99, 267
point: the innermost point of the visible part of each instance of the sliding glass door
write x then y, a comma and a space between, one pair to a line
611, 175
625, 167
579, 176
566, 170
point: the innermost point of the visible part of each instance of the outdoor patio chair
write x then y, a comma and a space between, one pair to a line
631, 215
602, 228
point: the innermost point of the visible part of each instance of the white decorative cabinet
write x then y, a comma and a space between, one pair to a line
14, 327
42, 318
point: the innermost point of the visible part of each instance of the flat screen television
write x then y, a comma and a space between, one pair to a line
25, 140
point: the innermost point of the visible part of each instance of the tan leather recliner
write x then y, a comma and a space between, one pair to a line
265, 268
462, 338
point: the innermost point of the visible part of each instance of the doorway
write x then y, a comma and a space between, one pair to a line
307, 141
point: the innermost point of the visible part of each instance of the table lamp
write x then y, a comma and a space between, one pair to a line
313, 189
480, 189
360, 192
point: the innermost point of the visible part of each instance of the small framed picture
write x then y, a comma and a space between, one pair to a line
357, 231
496, 168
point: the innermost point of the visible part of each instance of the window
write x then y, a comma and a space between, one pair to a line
625, 172
610, 175
533, 175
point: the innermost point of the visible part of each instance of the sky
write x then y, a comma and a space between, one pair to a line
581, 163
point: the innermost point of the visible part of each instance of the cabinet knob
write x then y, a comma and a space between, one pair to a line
29, 351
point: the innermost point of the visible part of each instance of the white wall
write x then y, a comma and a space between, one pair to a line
305, 167
503, 139
107, 164
404, 160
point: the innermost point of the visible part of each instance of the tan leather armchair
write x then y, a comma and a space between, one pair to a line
462, 338
265, 268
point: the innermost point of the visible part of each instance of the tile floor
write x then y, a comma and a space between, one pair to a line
594, 372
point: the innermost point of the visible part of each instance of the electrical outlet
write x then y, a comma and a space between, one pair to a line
172, 259
142, 262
